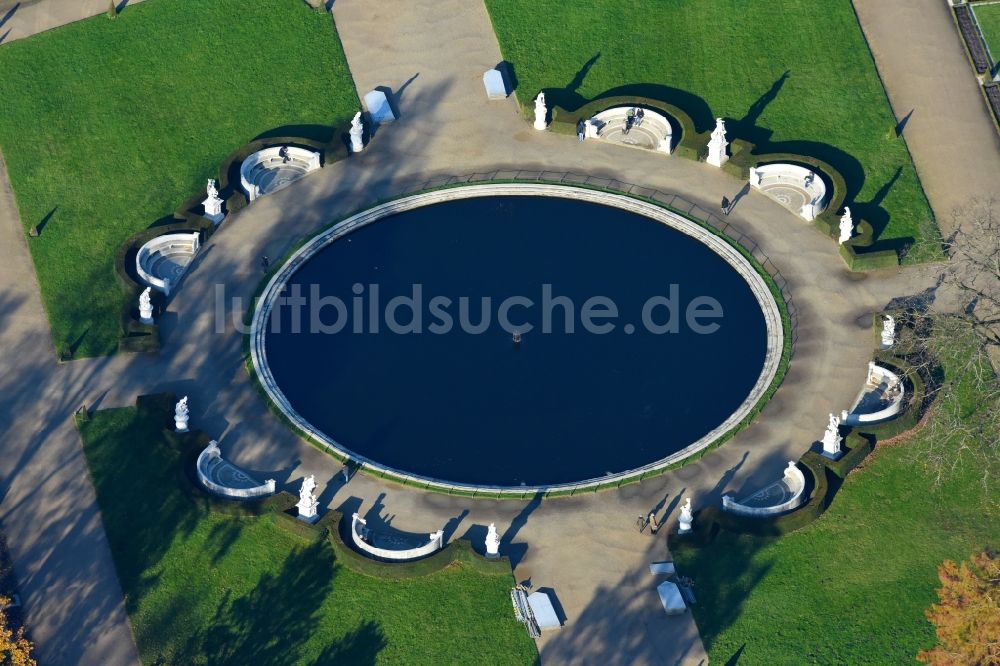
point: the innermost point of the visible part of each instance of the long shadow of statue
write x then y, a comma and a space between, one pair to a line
517, 551
746, 128
872, 212
756, 109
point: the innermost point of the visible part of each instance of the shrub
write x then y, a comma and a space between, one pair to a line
868, 261
711, 519
459, 550
137, 337
858, 448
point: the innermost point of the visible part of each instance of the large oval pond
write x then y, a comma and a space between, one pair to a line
361, 349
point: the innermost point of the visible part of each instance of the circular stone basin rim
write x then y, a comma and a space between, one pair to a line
759, 288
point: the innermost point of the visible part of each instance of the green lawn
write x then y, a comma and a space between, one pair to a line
850, 588
989, 22
109, 125
732, 55
204, 588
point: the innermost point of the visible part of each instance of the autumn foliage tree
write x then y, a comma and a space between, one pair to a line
967, 618
15, 649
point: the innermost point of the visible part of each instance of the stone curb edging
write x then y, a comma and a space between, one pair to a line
760, 289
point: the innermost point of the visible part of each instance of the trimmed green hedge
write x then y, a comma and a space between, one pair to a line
859, 443
858, 259
914, 410
564, 121
857, 449
694, 145
829, 220
282, 507
459, 550
136, 336
139, 337
711, 519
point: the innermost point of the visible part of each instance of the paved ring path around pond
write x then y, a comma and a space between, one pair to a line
433, 55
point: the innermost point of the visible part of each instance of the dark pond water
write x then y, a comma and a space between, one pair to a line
474, 407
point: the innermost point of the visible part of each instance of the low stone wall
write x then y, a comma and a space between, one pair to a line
794, 479
164, 246
299, 159
877, 375
655, 130
436, 543
759, 288
771, 178
211, 459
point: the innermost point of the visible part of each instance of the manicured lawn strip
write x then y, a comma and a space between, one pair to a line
988, 17
109, 125
731, 54
850, 588
202, 587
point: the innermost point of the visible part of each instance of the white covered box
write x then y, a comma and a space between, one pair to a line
495, 86
378, 107
670, 597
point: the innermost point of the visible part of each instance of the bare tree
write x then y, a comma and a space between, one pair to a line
972, 272
957, 346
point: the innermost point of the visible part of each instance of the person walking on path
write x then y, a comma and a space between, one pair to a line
654, 527
726, 205
265, 263
581, 130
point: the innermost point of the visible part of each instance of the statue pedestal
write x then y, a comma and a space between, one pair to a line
308, 513
180, 424
717, 157
213, 209
832, 447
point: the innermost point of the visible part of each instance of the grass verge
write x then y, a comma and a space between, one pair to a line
110, 125
789, 75
204, 587
988, 17
851, 587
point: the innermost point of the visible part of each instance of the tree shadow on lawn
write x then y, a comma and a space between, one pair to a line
274, 621
725, 573
136, 475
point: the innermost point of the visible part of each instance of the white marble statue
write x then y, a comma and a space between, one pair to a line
492, 541
717, 155
212, 203
831, 438
540, 112
686, 518
357, 134
308, 505
888, 331
846, 226
181, 415
145, 306
591, 130
665, 144
754, 178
